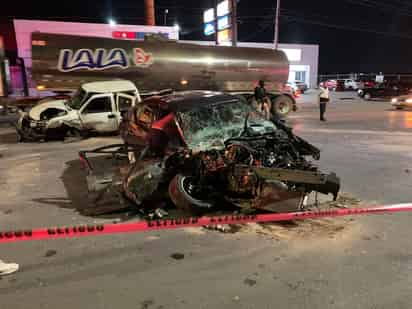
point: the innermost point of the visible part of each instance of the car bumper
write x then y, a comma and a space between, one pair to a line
29, 129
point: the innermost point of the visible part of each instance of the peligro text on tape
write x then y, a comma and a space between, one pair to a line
164, 224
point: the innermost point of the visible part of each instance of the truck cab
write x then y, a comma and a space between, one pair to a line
95, 107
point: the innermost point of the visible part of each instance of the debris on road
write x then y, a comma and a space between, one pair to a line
8, 268
290, 229
50, 253
177, 256
249, 282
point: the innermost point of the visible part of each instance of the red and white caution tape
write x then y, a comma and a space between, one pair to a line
165, 224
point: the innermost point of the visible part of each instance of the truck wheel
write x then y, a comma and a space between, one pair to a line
367, 96
180, 192
282, 105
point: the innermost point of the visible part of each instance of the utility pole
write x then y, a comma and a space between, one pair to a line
276, 39
150, 13
234, 23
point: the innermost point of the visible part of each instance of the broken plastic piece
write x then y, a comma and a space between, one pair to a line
8, 268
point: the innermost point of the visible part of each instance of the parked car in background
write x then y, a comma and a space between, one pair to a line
363, 84
301, 86
349, 84
384, 91
291, 87
331, 84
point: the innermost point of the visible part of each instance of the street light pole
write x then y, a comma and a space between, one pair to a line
166, 11
276, 39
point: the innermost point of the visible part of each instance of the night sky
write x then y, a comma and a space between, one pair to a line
354, 35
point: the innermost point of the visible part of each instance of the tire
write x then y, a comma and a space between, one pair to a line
399, 108
282, 105
182, 199
367, 96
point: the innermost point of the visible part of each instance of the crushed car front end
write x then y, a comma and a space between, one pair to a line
49, 119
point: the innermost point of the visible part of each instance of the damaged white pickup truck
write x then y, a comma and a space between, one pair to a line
95, 107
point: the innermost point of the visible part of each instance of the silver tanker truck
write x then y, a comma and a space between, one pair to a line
64, 62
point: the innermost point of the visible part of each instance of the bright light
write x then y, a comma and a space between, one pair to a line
223, 23
409, 101
112, 22
209, 28
223, 8
223, 36
394, 100
177, 27
209, 15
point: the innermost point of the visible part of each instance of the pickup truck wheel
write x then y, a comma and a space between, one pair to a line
182, 194
367, 96
282, 105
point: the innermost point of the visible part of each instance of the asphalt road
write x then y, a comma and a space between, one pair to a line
367, 263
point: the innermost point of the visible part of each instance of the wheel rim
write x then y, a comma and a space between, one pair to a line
283, 108
190, 192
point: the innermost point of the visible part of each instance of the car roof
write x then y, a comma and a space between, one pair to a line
187, 100
109, 86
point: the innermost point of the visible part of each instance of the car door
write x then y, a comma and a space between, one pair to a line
123, 103
98, 114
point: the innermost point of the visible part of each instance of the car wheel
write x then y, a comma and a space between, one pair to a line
182, 194
367, 96
399, 107
282, 105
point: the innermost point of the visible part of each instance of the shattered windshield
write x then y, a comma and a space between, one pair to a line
209, 126
78, 99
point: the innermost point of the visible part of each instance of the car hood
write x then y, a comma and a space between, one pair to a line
36, 111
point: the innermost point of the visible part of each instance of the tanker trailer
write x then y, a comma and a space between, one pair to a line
63, 62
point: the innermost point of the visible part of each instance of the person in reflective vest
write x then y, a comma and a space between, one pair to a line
324, 98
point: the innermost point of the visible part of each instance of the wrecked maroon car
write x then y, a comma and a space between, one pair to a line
202, 150
205, 149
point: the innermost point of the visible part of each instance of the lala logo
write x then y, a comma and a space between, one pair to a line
101, 59
141, 58
98, 59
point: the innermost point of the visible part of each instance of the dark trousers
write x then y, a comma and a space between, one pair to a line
322, 108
